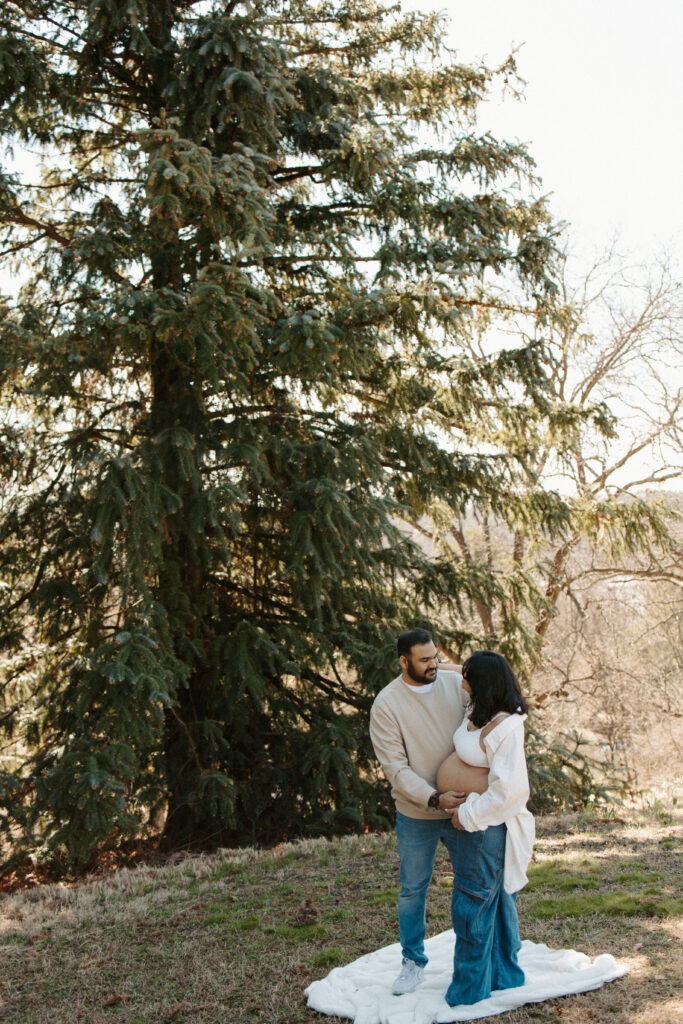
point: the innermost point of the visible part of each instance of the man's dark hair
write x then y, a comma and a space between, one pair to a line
410, 639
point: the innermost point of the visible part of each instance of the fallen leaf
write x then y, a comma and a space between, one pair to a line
176, 1011
116, 999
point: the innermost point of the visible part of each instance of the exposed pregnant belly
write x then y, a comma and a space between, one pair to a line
463, 778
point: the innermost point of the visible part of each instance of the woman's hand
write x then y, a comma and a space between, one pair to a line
456, 820
449, 666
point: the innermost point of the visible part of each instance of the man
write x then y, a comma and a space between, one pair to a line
412, 722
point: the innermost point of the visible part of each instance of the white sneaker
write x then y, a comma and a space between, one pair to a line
409, 978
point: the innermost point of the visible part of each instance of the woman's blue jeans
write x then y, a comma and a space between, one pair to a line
484, 915
484, 919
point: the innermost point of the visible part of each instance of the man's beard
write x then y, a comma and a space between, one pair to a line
423, 678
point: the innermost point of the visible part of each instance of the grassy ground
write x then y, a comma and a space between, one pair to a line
235, 937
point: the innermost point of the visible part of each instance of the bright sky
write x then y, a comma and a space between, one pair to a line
602, 115
603, 108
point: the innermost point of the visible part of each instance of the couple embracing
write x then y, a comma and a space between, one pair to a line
451, 742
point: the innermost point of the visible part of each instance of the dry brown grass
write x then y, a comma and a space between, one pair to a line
223, 939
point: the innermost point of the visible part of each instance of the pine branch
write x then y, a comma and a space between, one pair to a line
21, 30
17, 216
23, 245
287, 174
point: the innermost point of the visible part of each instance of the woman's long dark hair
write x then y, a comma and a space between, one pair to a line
494, 686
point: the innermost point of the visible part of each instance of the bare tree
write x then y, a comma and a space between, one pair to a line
612, 666
615, 353
609, 613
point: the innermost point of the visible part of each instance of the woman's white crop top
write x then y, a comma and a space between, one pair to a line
467, 746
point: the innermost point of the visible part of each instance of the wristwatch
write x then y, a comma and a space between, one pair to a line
434, 800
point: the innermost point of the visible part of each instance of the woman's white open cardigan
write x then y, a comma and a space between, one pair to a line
505, 799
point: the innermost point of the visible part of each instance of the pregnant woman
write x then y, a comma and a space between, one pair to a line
498, 830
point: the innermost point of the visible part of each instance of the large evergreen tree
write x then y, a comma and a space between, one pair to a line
256, 233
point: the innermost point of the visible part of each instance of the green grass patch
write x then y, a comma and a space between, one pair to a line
222, 871
338, 914
638, 877
229, 907
624, 904
219, 917
565, 876
383, 899
331, 957
285, 860
571, 884
246, 924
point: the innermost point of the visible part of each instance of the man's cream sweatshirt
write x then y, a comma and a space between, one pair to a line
412, 733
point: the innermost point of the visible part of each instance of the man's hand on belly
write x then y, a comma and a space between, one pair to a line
450, 800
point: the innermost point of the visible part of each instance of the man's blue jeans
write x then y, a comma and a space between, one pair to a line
417, 843
484, 915
484, 919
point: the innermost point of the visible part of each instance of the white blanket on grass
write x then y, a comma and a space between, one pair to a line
362, 990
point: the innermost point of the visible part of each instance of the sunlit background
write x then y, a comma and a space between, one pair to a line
602, 109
